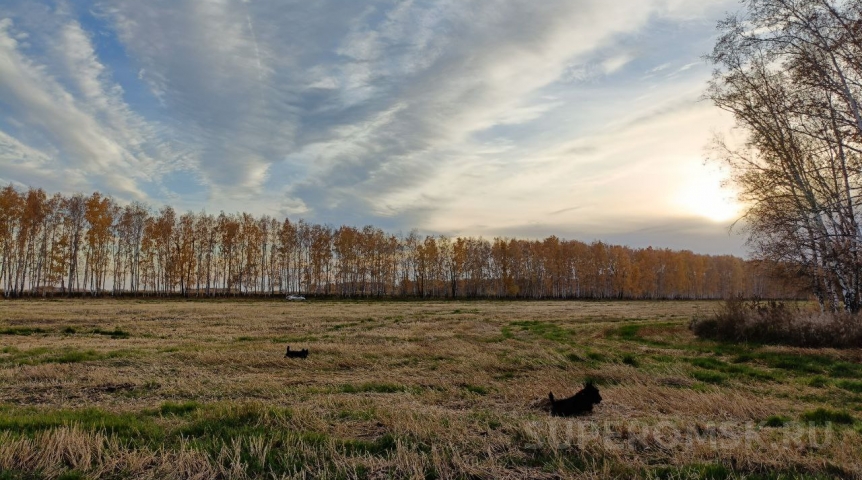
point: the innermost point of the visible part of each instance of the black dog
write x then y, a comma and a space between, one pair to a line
581, 402
294, 354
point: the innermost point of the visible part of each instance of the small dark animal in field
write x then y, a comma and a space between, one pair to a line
296, 354
581, 402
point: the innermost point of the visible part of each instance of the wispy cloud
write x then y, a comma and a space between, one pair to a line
86, 125
442, 115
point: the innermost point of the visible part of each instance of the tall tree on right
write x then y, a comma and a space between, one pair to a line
790, 71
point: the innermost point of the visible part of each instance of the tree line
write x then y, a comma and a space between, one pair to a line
91, 245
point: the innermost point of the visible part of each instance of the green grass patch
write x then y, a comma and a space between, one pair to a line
378, 447
845, 370
12, 351
719, 349
23, 331
477, 389
750, 372
733, 370
600, 380
546, 330
743, 358
42, 355
796, 364
708, 363
178, 409
339, 326
373, 387
363, 415
486, 418
137, 429
574, 357
717, 471
801, 364
75, 356
115, 333
597, 357
822, 416
227, 421
712, 471
213, 427
630, 359
776, 421
707, 376
71, 475
626, 332
818, 382
633, 332
295, 339
850, 386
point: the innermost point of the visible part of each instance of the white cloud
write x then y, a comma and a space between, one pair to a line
663, 66
614, 64
211, 65
91, 130
13, 151
441, 114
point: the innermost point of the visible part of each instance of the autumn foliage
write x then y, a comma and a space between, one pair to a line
92, 245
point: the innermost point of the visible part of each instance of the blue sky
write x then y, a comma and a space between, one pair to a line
579, 118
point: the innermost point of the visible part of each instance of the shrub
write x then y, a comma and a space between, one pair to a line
738, 320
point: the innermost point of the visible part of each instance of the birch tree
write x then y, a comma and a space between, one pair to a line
790, 71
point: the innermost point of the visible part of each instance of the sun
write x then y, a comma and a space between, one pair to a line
703, 196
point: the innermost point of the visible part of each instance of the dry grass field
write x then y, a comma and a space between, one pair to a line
126, 389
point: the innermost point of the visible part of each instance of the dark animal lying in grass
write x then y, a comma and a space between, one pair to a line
581, 402
294, 354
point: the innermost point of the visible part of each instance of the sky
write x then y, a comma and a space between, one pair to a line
576, 118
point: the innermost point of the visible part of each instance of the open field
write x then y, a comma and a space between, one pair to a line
123, 389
